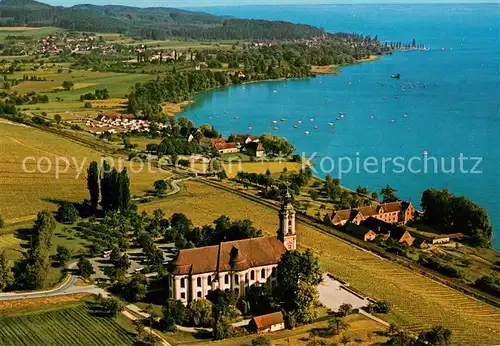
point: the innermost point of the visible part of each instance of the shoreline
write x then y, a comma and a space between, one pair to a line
176, 108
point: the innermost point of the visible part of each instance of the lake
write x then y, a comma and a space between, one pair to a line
446, 102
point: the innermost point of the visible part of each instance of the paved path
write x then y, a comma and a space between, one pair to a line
147, 329
65, 288
138, 311
333, 293
175, 186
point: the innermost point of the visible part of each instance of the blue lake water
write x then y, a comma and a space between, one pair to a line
457, 113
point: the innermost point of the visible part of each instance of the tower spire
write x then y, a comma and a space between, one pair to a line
286, 232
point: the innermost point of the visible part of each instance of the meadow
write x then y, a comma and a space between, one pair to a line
361, 329
27, 31
417, 302
65, 326
24, 194
233, 167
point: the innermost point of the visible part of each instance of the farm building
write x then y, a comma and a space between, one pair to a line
394, 212
269, 323
360, 232
226, 148
255, 149
440, 239
386, 230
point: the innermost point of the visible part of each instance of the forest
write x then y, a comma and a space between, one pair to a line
148, 23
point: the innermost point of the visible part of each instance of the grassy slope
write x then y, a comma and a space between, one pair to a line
66, 326
25, 194
418, 302
360, 328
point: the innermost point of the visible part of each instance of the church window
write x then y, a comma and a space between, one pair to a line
183, 283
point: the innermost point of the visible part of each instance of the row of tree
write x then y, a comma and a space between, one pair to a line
114, 187
31, 270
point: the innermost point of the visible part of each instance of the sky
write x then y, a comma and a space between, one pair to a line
208, 3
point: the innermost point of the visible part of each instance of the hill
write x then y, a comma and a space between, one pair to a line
149, 23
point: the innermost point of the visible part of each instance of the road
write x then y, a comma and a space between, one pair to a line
65, 288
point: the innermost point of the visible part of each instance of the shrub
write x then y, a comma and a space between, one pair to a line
67, 213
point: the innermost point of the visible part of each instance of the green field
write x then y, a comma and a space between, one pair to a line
28, 31
67, 326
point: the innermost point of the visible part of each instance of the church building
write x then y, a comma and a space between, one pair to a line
233, 265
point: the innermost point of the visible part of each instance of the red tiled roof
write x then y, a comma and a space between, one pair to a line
369, 210
222, 146
341, 215
392, 207
266, 321
253, 252
213, 141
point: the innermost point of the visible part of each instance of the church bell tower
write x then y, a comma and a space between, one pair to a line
286, 232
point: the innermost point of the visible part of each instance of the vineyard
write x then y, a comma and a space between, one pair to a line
417, 302
25, 192
69, 326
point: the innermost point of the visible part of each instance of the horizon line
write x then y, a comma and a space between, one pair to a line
203, 4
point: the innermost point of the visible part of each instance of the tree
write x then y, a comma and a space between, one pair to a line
174, 313
160, 186
457, 215
201, 312
222, 174
85, 268
345, 309
112, 306
436, 336
68, 85
401, 339
374, 195
261, 341
298, 274
344, 340
123, 263
57, 118
258, 299
388, 194
93, 184
5, 278
67, 213
30, 272
361, 190
63, 255
336, 324
313, 194
124, 190
2, 222
135, 289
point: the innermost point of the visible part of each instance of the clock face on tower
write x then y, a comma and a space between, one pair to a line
289, 244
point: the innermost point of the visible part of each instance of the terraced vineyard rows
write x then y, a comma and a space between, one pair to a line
69, 326
418, 302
